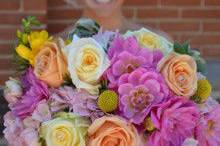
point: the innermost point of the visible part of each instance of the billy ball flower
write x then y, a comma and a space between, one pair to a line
108, 101
204, 89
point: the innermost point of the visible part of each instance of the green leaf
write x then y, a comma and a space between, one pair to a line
201, 66
186, 46
178, 48
85, 28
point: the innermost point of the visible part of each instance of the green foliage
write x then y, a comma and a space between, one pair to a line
85, 28
28, 22
68, 81
104, 85
22, 38
185, 49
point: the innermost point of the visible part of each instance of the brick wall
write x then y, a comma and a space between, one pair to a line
11, 13
194, 20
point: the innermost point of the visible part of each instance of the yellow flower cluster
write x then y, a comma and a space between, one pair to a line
204, 90
108, 101
36, 40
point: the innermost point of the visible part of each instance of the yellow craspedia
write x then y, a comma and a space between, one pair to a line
148, 124
204, 90
108, 101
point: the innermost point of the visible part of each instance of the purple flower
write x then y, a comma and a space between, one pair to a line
35, 91
175, 121
20, 133
139, 91
78, 101
14, 127
104, 38
208, 128
126, 56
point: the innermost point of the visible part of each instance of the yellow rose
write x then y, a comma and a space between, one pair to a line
65, 130
87, 61
151, 40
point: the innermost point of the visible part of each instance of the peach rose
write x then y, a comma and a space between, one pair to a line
113, 131
180, 73
50, 64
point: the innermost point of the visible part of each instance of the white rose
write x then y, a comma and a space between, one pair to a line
13, 90
87, 61
151, 40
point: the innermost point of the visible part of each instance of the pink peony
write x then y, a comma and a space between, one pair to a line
35, 91
208, 128
139, 91
175, 121
126, 56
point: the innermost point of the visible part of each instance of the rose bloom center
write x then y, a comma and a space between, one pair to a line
61, 135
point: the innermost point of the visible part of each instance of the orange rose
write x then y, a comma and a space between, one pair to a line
112, 131
50, 64
180, 73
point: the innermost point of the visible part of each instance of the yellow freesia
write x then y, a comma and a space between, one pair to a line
36, 40
23, 51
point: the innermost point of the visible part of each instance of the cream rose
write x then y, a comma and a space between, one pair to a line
180, 73
50, 64
87, 61
109, 131
151, 40
65, 130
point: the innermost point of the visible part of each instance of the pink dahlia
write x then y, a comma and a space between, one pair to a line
126, 56
175, 121
208, 128
35, 91
139, 91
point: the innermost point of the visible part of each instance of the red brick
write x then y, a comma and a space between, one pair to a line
141, 2
56, 3
180, 2
9, 4
202, 39
64, 14
129, 13
4, 77
5, 64
37, 5
150, 25
157, 13
211, 26
15, 18
179, 26
56, 27
202, 13
6, 48
211, 52
212, 2
7, 33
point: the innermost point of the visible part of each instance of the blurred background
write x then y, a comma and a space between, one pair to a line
197, 21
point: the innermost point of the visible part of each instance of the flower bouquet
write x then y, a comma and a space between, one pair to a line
103, 88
